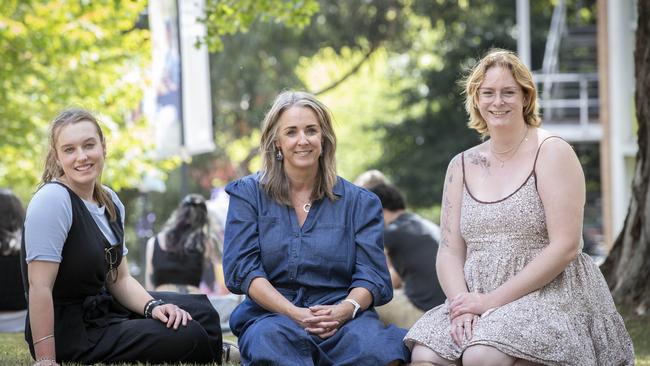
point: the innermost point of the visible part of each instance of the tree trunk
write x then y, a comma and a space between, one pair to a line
626, 269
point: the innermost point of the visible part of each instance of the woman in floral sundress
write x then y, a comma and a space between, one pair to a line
519, 290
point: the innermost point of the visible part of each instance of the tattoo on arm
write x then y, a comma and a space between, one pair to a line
446, 207
446, 223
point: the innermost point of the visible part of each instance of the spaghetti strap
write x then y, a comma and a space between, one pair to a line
539, 148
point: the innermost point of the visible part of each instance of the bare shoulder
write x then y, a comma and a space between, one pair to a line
455, 162
455, 168
557, 160
554, 149
150, 242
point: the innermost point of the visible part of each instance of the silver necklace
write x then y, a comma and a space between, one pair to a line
306, 207
514, 147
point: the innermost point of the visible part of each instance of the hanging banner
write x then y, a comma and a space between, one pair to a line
178, 102
163, 107
197, 109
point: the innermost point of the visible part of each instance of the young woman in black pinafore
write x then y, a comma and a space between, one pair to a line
84, 306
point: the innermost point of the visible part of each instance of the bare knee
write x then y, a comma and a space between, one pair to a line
424, 356
486, 356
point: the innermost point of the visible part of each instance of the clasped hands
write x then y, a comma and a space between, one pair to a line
322, 320
465, 310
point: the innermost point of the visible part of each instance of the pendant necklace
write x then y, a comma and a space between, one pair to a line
306, 207
514, 147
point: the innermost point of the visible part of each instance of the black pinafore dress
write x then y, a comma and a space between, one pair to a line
91, 326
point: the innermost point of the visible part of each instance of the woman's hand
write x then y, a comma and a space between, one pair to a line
328, 318
462, 327
171, 314
469, 302
321, 320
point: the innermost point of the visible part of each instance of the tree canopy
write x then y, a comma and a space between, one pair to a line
443, 41
58, 54
253, 67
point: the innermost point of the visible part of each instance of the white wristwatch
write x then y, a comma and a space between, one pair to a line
355, 304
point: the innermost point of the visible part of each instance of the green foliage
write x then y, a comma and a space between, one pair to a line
254, 67
356, 105
224, 17
443, 39
65, 53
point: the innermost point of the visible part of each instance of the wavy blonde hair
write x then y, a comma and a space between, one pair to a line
508, 60
53, 170
274, 181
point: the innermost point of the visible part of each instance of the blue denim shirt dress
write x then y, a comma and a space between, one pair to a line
339, 247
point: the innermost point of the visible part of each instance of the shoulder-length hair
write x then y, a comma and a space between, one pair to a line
508, 60
274, 181
187, 229
53, 170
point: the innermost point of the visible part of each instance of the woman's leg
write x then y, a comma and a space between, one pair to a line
425, 356
486, 356
202, 312
276, 340
149, 340
364, 340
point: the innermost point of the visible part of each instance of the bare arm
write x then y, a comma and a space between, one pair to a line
450, 260
127, 290
561, 186
41, 307
266, 296
148, 271
130, 293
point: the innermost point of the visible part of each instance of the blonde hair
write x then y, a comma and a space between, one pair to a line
274, 181
508, 60
53, 170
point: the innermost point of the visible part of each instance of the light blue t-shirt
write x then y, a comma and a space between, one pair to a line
49, 218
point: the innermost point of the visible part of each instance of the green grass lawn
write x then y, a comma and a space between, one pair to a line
13, 350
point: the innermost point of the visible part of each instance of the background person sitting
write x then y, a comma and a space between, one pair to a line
179, 255
13, 306
371, 178
184, 257
411, 243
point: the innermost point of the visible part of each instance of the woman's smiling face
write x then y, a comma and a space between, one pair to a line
80, 153
500, 98
299, 138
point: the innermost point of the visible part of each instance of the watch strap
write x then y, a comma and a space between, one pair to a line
355, 304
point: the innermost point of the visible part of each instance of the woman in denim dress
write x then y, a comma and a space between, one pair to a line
306, 247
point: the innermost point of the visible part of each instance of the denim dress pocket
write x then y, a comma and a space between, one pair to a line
273, 247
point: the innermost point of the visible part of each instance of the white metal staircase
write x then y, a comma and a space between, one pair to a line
568, 81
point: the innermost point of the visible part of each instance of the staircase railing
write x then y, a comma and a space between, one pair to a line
580, 92
552, 49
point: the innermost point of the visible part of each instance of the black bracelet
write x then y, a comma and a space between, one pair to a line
150, 305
